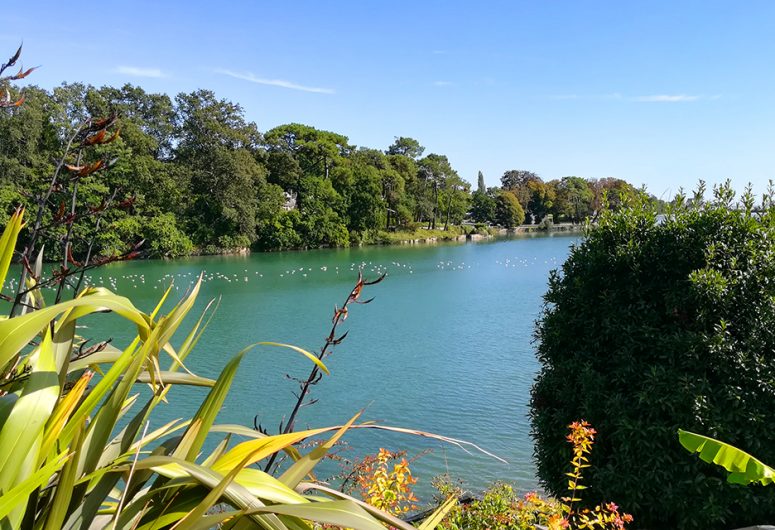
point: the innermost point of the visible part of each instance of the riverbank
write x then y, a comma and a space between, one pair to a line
423, 236
463, 233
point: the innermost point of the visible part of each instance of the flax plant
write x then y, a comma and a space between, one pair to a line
65, 462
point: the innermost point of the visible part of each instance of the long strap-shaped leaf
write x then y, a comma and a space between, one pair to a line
237, 495
302, 467
16, 333
17, 496
385, 517
61, 414
261, 485
434, 519
743, 468
189, 522
8, 242
65, 483
263, 447
204, 418
23, 428
346, 514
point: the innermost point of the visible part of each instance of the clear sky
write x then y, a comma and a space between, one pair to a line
660, 93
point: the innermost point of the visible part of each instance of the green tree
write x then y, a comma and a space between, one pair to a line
405, 146
611, 192
437, 174
483, 206
480, 183
216, 147
574, 198
404, 192
541, 199
367, 208
515, 179
321, 224
508, 211
517, 182
454, 201
316, 152
28, 141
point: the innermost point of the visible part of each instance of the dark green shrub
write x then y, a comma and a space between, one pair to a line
655, 325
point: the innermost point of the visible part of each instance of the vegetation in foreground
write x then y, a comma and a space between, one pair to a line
500, 507
655, 324
77, 455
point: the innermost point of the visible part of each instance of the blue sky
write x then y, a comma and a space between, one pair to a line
658, 93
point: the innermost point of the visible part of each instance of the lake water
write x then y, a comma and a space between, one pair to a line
446, 346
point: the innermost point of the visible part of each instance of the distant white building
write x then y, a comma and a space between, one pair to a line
290, 201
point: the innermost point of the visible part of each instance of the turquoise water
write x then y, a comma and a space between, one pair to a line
446, 346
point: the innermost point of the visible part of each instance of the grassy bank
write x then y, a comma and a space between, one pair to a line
423, 235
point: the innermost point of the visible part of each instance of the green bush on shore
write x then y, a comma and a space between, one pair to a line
654, 324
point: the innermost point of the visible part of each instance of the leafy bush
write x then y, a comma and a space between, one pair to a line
655, 324
387, 487
500, 508
280, 232
166, 238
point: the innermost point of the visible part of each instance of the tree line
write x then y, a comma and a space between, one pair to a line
193, 175
524, 197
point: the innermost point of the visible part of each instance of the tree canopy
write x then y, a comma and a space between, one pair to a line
197, 176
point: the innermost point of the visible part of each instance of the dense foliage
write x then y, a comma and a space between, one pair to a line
197, 176
200, 177
655, 324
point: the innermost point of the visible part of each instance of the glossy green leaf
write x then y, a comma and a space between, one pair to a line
175, 378
743, 468
101, 389
208, 410
435, 519
236, 494
22, 430
302, 467
17, 496
385, 517
16, 333
8, 242
66, 482
345, 513
302, 351
109, 355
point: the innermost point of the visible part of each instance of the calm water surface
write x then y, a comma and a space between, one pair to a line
445, 346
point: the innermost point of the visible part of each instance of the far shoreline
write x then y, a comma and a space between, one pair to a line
419, 237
